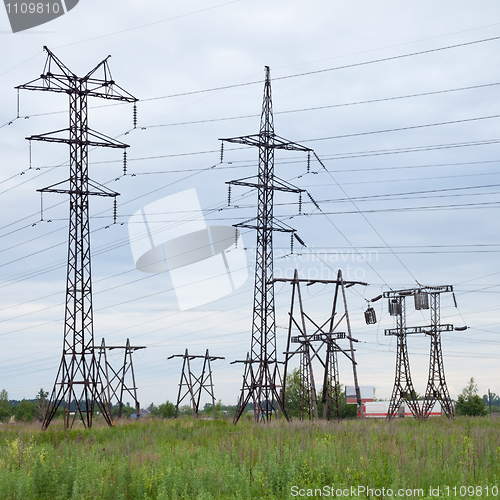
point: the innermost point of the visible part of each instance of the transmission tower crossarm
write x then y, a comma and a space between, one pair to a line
281, 143
65, 82
278, 185
271, 140
427, 330
248, 140
99, 189
103, 141
309, 281
390, 294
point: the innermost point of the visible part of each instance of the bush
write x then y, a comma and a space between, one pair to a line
25, 411
167, 410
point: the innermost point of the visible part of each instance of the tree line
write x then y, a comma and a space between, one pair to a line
469, 403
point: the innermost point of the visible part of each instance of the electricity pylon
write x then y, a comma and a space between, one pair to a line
404, 390
261, 376
78, 380
195, 385
312, 342
437, 390
116, 380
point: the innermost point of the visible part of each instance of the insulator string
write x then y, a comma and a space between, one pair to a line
135, 115
124, 162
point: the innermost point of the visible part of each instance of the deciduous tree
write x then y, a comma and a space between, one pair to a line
41, 404
469, 403
5, 406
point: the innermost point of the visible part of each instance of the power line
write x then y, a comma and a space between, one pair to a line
325, 70
391, 58
399, 129
330, 106
151, 24
366, 219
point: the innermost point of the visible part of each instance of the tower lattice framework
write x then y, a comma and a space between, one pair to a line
437, 390
117, 384
404, 391
194, 385
311, 345
79, 383
261, 375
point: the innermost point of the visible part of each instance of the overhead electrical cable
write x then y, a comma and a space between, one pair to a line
366, 219
399, 129
335, 68
330, 106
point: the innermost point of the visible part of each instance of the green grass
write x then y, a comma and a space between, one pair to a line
215, 459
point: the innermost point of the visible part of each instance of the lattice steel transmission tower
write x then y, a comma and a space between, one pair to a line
404, 390
194, 386
437, 390
78, 380
117, 384
261, 376
311, 345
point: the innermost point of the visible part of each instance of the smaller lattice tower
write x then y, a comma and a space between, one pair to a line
120, 382
320, 341
192, 386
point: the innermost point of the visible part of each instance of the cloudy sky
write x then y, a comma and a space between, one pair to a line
397, 99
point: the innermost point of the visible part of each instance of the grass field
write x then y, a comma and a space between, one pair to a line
187, 459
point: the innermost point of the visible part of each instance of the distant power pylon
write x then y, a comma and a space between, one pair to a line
261, 376
311, 344
194, 385
404, 390
121, 381
78, 380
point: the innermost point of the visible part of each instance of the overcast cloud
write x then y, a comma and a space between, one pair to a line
427, 192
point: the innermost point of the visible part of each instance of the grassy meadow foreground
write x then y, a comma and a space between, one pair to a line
187, 459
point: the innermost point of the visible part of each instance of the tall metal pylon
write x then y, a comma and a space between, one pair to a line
437, 390
311, 344
116, 380
261, 376
79, 381
404, 390
195, 385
